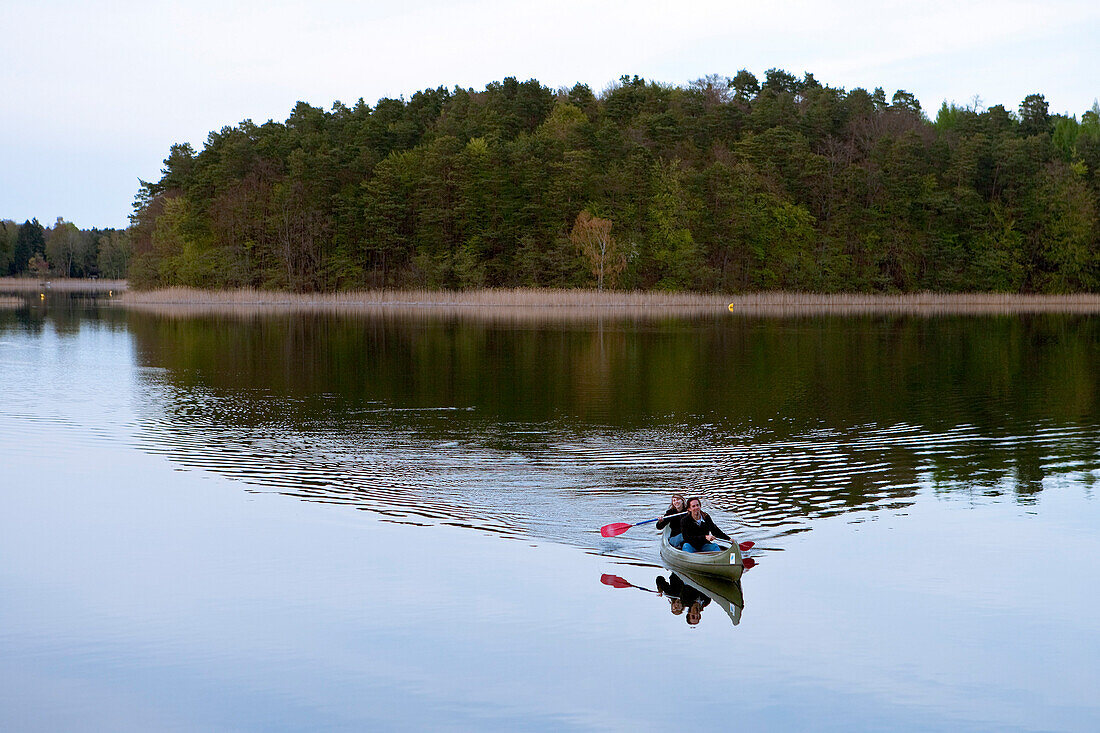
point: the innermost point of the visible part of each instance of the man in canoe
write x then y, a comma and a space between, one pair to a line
699, 529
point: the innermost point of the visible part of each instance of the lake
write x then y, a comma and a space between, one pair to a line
303, 521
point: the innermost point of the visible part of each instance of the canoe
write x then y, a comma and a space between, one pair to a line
724, 564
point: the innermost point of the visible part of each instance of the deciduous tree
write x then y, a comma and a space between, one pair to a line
64, 246
592, 236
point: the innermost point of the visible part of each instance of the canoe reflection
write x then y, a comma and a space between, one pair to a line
688, 594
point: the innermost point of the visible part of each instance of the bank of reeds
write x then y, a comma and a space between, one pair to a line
8, 301
492, 298
517, 305
541, 304
74, 284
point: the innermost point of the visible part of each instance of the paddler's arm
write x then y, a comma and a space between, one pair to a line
717, 532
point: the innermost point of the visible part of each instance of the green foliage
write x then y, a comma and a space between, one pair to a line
1065, 135
904, 101
997, 260
62, 250
745, 85
30, 241
728, 183
1065, 243
114, 253
9, 232
677, 259
66, 247
1034, 115
948, 117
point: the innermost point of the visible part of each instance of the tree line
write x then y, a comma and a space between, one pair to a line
726, 184
63, 250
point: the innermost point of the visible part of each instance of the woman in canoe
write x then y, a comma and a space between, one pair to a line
676, 508
699, 529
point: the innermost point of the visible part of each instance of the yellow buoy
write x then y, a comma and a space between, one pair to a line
731, 307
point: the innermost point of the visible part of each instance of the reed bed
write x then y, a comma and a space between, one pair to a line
23, 284
526, 304
9, 301
917, 304
513, 297
512, 305
515, 315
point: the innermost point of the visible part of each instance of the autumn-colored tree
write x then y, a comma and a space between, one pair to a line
38, 265
592, 236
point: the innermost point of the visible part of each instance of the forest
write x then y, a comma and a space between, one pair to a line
62, 250
727, 184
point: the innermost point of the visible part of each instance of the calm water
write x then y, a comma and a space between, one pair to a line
332, 523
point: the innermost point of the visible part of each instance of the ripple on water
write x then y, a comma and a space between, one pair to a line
553, 483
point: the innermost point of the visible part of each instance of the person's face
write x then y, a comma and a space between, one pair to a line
695, 614
678, 503
695, 508
677, 606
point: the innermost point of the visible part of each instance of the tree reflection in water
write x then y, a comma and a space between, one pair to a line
519, 428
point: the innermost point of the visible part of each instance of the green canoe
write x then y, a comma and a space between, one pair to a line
724, 564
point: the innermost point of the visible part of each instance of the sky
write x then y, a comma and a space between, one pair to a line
94, 94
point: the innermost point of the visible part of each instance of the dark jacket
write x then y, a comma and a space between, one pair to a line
696, 534
674, 587
674, 521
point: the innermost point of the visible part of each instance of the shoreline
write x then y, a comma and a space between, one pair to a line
66, 284
557, 303
542, 303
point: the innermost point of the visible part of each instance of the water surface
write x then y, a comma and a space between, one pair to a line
308, 521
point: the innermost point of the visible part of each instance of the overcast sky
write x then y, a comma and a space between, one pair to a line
94, 93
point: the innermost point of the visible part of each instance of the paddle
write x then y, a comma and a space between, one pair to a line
745, 546
616, 529
616, 582
746, 562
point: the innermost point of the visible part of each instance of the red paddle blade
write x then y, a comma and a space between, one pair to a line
612, 530
749, 563
614, 580
747, 545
